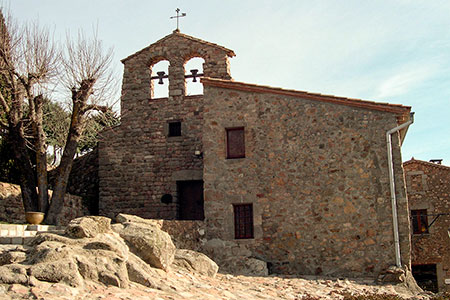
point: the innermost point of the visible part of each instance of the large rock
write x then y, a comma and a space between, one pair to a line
88, 227
124, 218
136, 251
195, 262
151, 244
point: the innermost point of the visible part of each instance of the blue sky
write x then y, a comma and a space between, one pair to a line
395, 51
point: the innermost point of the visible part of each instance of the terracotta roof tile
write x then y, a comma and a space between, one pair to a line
401, 111
425, 163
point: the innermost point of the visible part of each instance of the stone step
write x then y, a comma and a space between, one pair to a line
18, 234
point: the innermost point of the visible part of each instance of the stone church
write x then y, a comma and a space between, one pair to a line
296, 179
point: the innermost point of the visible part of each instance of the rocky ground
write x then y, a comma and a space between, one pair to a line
185, 285
135, 259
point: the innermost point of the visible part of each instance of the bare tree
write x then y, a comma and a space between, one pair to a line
88, 76
28, 62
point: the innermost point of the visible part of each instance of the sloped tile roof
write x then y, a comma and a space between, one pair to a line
401, 111
426, 164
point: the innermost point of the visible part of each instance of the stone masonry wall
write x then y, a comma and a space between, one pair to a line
317, 176
83, 180
11, 206
428, 187
139, 163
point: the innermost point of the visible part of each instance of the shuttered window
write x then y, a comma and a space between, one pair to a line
243, 221
235, 142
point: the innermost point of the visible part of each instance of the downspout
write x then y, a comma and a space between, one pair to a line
392, 186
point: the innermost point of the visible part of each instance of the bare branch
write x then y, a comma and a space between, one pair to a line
4, 104
85, 61
101, 108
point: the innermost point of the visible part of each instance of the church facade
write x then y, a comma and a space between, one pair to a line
296, 179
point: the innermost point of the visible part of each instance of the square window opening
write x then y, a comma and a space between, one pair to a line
235, 142
174, 129
243, 221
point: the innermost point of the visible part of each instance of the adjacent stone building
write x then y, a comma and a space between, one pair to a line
298, 180
428, 188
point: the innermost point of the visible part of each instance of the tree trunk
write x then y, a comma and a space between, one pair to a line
41, 154
23, 161
65, 166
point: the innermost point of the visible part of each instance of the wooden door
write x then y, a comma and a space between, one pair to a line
190, 200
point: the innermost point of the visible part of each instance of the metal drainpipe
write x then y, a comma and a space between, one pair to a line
392, 185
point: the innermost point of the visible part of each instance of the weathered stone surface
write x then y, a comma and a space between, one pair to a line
12, 211
315, 174
92, 252
14, 273
195, 262
142, 273
138, 161
124, 218
428, 188
11, 257
63, 270
88, 226
150, 243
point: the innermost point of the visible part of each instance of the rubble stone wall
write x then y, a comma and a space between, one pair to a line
83, 180
12, 211
428, 187
317, 176
139, 162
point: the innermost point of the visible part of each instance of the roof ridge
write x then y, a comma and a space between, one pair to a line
426, 163
177, 33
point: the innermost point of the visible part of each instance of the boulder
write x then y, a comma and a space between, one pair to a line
248, 266
151, 244
88, 227
195, 262
12, 257
14, 273
124, 218
63, 270
136, 250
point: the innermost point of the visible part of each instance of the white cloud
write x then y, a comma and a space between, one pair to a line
403, 81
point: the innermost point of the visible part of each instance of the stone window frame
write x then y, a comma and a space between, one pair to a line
409, 176
166, 130
227, 145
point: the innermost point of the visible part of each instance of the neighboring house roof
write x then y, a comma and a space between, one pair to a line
402, 112
177, 34
426, 164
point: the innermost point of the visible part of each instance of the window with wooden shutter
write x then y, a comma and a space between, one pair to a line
235, 142
243, 221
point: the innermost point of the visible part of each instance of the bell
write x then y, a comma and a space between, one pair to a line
160, 76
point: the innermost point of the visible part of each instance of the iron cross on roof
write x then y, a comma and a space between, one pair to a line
178, 16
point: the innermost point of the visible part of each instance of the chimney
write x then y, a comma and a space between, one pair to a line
436, 161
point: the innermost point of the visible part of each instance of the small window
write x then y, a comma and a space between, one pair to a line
235, 142
175, 129
419, 221
243, 221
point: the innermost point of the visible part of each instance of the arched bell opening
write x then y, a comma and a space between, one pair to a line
193, 71
159, 85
